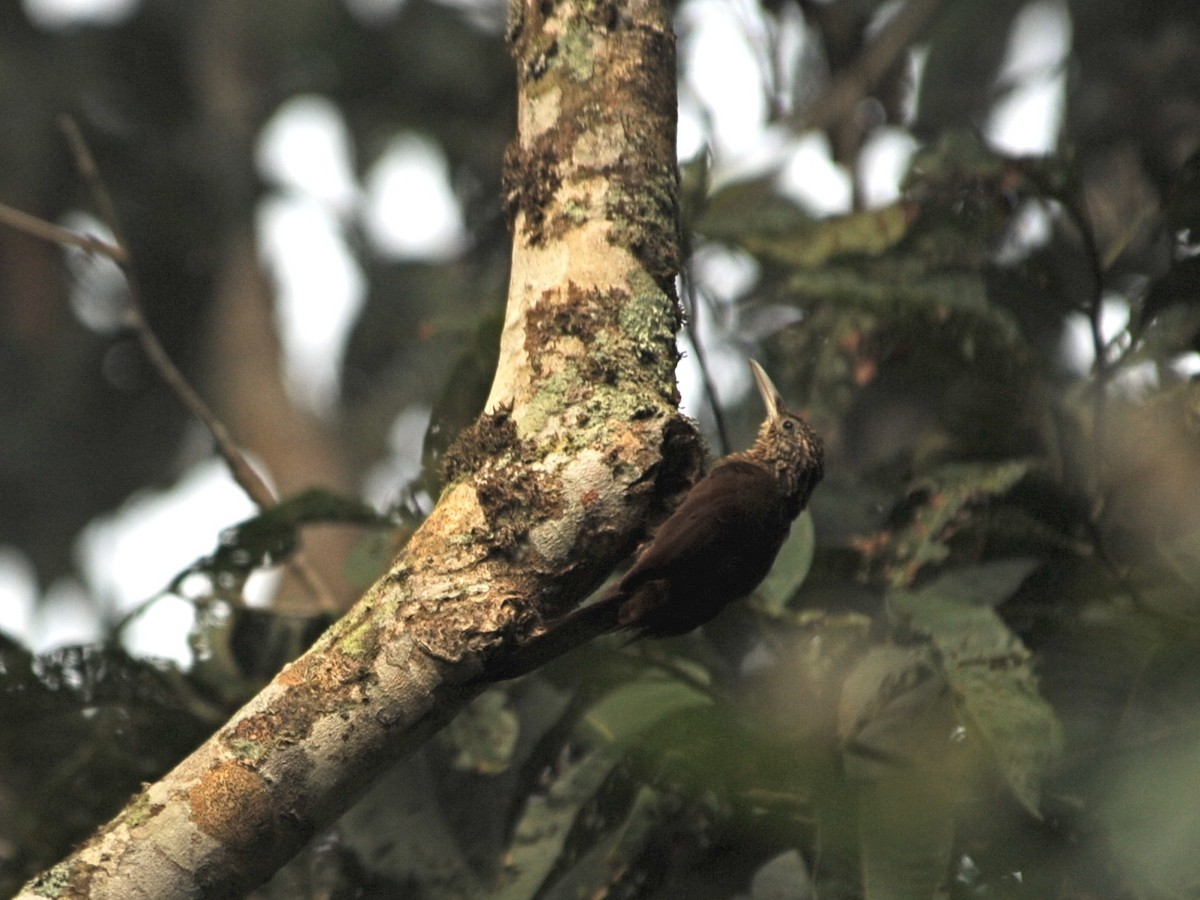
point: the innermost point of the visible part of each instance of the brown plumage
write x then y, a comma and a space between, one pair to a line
717, 546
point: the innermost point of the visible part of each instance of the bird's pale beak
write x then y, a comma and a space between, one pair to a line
770, 394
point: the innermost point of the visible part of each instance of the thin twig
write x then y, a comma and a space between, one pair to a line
246, 476
134, 317
1073, 204
56, 234
845, 91
693, 330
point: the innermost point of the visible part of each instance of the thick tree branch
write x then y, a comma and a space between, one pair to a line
581, 441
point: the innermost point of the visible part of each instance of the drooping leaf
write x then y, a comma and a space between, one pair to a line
898, 726
556, 829
374, 552
785, 877
608, 860
986, 584
990, 670
542, 830
751, 206
791, 567
462, 397
1179, 285
404, 833
876, 720
775, 229
906, 835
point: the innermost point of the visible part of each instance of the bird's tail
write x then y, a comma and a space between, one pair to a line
562, 635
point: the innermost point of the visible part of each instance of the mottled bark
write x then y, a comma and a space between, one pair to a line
580, 443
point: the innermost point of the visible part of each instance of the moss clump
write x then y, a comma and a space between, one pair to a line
492, 435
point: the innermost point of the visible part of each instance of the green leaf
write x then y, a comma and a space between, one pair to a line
985, 584
906, 835
785, 877
1152, 818
462, 396
753, 206
813, 244
406, 833
373, 554
791, 567
890, 713
899, 290
989, 669
84, 726
540, 849
598, 870
542, 830
948, 494
237, 649
629, 710
898, 724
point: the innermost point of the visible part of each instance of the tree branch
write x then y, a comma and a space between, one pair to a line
581, 441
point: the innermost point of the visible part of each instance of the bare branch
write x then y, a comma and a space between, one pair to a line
56, 234
851, 86
246, 476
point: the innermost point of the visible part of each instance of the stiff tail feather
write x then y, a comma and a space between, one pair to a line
562, 635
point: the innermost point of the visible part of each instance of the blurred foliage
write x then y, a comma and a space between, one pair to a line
269, 538
83, 728
974, 671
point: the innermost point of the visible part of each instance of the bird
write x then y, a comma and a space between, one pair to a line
715, 547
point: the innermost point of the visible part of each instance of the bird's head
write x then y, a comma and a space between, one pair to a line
787, 444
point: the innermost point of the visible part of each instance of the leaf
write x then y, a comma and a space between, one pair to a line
556, 831
1178, 285
899, 289
542, 829
886, 711
906, 835
462, 396
629, 710
751, 206
990, 671
1148, 805
791, 567
785, 877
947, 494
404, 833
810, 244
237, 649
985, 584
373, 553
754, 215
898, 722
596, 872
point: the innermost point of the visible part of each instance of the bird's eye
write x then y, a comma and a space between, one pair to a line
789, 425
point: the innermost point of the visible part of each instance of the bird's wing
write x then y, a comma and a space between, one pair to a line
735, 502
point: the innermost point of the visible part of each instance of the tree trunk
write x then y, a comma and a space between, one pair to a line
580, 443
